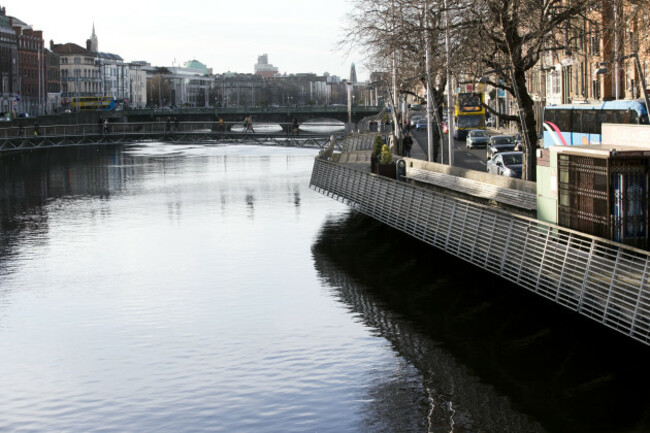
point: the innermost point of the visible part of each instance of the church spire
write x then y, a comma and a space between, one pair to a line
94, 45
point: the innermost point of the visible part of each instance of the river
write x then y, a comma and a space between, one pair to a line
187, 288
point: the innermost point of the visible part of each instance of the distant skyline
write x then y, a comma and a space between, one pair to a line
298, 35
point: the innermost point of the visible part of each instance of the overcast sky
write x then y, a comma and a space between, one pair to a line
226, 35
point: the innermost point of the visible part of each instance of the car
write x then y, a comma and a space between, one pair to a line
506, 164
415, 119
491, 122
421, 124
445, 127
416, 107
23, 115
500, 143
476, 138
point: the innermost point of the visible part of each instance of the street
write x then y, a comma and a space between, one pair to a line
473, 159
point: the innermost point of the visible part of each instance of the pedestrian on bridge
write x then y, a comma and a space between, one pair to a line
35, 128
249, 123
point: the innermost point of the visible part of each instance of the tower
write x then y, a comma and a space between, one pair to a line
353, 74
93, 41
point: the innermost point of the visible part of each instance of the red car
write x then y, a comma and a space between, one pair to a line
445, 128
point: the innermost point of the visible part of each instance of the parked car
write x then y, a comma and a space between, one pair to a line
506, 164
476, 138
23, 115
500, 143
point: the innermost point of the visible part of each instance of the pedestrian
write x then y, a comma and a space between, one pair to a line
250, 124
176, 123
168, 125
100, 124
246, 124
221, 125
408, 144
106, 125
35, 128
295, 128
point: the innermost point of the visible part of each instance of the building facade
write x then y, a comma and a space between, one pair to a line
9, 78
31, 68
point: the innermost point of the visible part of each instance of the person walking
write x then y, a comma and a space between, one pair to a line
408, 144
250, 123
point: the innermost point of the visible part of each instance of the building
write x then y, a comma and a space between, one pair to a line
9, 78
137, 85
585, 70
80, 74
31, 68
53, 82
263, 68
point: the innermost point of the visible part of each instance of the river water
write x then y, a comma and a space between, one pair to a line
172, 288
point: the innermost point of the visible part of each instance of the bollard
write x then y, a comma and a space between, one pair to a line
401, 170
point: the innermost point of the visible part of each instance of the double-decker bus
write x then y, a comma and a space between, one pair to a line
84, 103
581, 124
469, 113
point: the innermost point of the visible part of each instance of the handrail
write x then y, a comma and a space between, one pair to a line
597, 278
154, 126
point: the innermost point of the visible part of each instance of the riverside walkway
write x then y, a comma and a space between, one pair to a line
442, 206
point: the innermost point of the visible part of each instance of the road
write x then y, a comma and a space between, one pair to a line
473, 159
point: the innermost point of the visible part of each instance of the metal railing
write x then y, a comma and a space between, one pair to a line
600, 279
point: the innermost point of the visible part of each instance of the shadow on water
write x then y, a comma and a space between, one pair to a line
492, 356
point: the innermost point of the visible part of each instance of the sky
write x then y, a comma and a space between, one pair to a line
226, 35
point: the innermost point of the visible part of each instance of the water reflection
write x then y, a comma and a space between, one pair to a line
491, 357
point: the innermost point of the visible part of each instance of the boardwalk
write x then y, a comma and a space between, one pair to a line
605, 281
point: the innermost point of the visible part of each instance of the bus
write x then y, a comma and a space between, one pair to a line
580, 124
85, 103
469, 113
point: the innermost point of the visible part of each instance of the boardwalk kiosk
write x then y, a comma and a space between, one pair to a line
600, 190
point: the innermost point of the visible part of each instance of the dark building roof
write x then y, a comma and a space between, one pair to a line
70, 48
109, 56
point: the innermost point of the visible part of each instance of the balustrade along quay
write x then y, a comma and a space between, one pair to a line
605, 281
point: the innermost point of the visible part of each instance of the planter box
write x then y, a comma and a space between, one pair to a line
388, 170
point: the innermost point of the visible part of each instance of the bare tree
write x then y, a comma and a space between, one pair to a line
512, 35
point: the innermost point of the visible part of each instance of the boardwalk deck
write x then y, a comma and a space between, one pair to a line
597, 278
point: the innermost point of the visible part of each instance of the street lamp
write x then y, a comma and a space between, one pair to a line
602, 69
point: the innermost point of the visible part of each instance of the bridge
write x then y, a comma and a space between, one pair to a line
260, 114
279, 115
605, 281
19, 138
